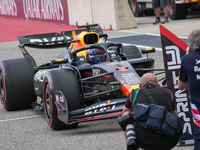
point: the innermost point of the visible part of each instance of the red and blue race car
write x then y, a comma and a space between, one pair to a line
90, 80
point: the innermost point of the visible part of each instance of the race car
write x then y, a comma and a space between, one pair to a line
89, 81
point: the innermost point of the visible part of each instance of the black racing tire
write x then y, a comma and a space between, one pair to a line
136, 8
16, 84
177, 11
65, 81
131, 52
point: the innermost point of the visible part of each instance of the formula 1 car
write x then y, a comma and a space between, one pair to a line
88, 81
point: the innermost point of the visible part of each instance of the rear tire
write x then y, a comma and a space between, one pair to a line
177, 11
132, 52
65, 81
16, 84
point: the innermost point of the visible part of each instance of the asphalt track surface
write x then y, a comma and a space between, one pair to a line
27, 129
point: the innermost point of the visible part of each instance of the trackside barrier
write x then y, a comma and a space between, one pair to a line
55, 11
110, 14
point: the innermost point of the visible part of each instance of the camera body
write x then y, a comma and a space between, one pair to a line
125, 120
127, 124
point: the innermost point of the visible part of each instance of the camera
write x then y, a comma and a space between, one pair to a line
131, 137
126, 123
125, 120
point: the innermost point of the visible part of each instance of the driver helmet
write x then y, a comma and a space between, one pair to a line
95, 56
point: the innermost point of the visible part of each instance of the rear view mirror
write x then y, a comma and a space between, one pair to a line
103, 38
59, 61
148, 50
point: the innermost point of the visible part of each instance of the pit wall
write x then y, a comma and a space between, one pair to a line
109, 14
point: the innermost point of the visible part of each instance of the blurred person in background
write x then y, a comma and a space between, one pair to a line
157, 5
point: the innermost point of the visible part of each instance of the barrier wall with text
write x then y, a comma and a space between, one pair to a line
55, 11
110, 14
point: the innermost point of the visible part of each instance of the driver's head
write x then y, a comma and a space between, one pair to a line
95, 56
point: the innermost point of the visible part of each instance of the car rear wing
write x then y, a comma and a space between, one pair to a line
54, 39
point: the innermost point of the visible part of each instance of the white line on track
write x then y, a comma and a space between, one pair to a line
139, 33
20, 118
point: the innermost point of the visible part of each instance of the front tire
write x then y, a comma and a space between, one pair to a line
66, 82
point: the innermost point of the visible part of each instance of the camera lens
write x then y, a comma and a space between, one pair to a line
131, 138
